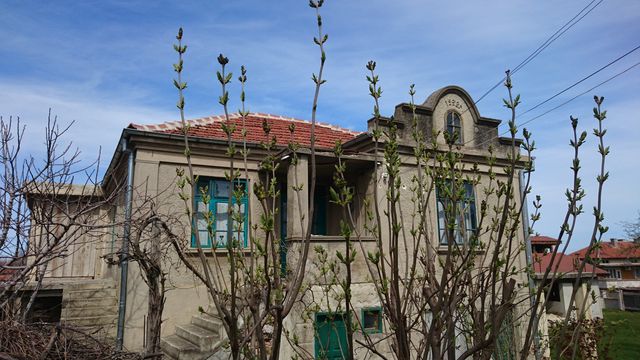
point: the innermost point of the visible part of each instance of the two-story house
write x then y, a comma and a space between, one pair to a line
147, 157
565, 267
620, 284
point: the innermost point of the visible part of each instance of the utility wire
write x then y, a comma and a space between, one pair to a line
566, 102
556, 35
577, 96
582, 80
573, 85
563, 29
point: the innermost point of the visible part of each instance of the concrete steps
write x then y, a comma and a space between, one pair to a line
208, 322
197, 340
176, 347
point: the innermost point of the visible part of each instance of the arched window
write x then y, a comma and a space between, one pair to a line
454, 127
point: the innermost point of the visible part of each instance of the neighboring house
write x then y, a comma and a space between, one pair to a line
566, 265
155, 151
621, 284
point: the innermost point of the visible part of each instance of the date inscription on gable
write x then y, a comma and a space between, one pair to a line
453, 103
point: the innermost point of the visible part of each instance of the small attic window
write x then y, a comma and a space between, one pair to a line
454, 128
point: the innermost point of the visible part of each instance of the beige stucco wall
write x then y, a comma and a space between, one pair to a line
155, 175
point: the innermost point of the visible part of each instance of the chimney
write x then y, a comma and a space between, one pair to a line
613, 241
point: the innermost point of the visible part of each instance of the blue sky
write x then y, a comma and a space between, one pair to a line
104, 64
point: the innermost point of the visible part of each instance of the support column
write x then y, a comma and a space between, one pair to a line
298, 197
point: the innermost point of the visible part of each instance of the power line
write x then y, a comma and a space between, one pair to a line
553, 37
563, 29
566, 102
573, 85
582, 80
577, 96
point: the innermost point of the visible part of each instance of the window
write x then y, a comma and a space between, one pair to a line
47, 306
454, 127
465, 222
615, 274
372, 320
554, 295
637, 272
214, 225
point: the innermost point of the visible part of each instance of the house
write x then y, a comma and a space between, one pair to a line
566, 266
621, 284
147, 156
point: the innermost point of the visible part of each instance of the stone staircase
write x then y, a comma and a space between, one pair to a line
195, 341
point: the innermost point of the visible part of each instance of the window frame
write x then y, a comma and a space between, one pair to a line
212, 182
469, 203
364, 310
615, 273
451, 127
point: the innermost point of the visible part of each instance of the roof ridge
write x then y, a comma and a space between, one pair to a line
176, 124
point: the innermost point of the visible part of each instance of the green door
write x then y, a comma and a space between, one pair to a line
330, 337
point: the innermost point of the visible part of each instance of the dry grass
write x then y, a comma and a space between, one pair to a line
51, 341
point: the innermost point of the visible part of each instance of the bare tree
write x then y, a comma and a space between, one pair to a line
49, 207
632, 228
151, 246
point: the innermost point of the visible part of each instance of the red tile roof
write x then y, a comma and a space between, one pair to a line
567, 265
616, 250
543, 240
211, 128
8, 274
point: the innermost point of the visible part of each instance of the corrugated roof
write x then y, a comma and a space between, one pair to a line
211, 128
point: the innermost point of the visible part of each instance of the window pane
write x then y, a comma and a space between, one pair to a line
465, 221
238, 236
222, 216
202, 207
371, 320
221, 238
222, 189
238, 208
204, 238
441, 223
468, 187
241, 185
202, 224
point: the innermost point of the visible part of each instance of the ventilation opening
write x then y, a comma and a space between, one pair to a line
47, 306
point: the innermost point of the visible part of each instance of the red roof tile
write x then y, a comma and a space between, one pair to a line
211, 128
616, 250
567, 265
7, 274
543, 240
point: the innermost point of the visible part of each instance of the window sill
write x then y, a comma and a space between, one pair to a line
444, 249
217, 252
331, 238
